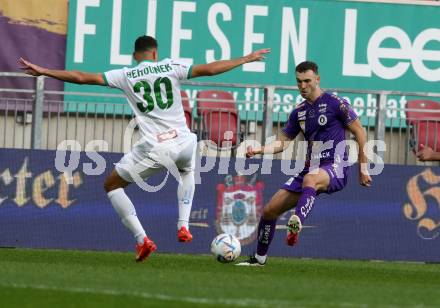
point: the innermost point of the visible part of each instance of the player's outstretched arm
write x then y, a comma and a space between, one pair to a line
359, 133
222, 66
274, 147
68, 76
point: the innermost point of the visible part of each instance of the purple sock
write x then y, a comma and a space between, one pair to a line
305, 203
266, 231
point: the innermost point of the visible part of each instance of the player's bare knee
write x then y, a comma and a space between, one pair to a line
269, 213
114, 181
111, 183
108, 185
310, 180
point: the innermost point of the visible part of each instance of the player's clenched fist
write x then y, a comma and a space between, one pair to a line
365, 179
250, 152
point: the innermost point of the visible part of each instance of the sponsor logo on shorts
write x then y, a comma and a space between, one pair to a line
289, 181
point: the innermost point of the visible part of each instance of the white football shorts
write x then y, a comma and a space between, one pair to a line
177, 155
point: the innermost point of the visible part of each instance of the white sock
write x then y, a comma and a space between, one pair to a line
126, 211
260, 259
185, 194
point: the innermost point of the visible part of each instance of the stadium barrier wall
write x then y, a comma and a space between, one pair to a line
396, 219
39, 121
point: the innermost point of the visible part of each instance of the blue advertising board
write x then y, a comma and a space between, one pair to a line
398, 218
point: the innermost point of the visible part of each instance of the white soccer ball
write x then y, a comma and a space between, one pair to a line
226, 248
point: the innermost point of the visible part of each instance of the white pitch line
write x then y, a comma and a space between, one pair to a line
194, 300
244, 302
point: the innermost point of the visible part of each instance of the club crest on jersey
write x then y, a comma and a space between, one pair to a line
322, 120
239, 207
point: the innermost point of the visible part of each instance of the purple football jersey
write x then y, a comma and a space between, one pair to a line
323, 124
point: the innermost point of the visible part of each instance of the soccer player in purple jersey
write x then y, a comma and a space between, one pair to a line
323, 119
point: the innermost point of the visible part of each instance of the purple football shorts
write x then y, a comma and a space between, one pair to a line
338, 179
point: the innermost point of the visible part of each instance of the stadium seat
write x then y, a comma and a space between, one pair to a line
424, 126
219, 117
186, 109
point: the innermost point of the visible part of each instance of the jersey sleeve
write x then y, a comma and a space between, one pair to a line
292, 127
182, 69
345, 113
114, 78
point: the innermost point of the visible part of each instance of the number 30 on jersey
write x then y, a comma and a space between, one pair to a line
154, 97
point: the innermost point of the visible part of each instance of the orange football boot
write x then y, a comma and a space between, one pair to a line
183, 235
145, 250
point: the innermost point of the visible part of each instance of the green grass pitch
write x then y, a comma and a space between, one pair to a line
55, 278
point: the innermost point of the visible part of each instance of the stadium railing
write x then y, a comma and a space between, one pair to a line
36, 118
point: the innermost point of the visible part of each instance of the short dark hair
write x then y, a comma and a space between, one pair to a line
145, 43
307, 65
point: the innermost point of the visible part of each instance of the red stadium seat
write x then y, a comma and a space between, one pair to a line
220, 121
424, 126
186, 109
